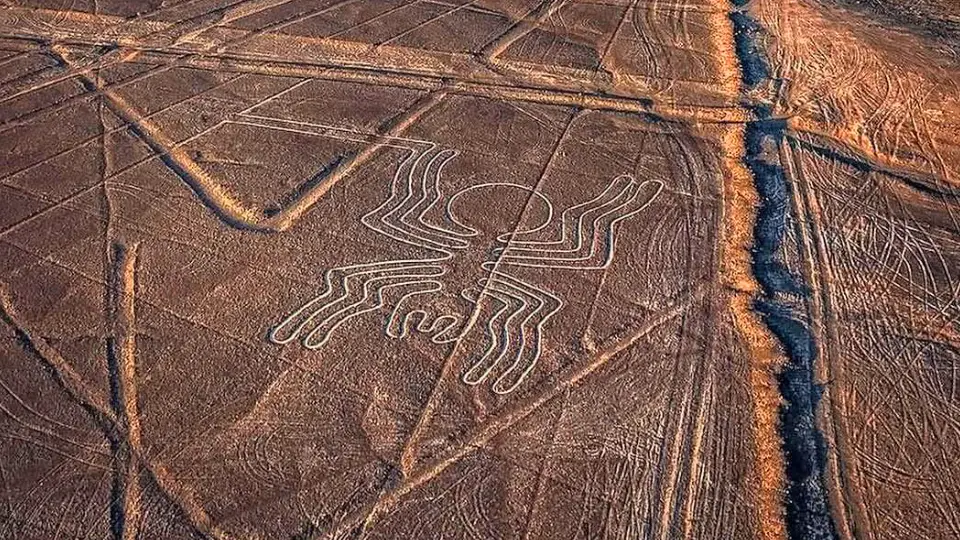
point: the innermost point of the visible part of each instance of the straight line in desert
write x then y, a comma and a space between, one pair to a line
106, 131
836, 149
111, 57
392, 128
198, 24
146, 24
344, 57
124, 45
531, 90
217, 198
627, 11
845, 504
123, 53
686, 401
520, 28
532, 93
82, 393
482, 435
407, 456
189, 55
15, 57
73, 196
696, 469
542, 476
121, 356
431, 20
341, 57
702, 375
682, 455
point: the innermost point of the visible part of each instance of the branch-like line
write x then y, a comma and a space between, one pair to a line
370, 299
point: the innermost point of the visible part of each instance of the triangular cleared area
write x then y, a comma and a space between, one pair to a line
253, 151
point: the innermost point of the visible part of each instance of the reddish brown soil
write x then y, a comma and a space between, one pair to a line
565, 192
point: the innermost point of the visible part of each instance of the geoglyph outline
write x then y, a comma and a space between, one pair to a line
521, 309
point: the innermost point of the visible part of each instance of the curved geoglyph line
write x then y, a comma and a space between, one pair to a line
347, 289
427, 203
409, 194
351, 291
319, 336
442, 328
518, 311
575, 253
522, 338
573, 217
470, 231
496, 333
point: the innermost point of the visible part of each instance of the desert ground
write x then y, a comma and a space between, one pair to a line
479, 269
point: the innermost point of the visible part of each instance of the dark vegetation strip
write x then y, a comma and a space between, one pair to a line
783, 303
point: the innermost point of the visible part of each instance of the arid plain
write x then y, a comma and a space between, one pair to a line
485, 269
